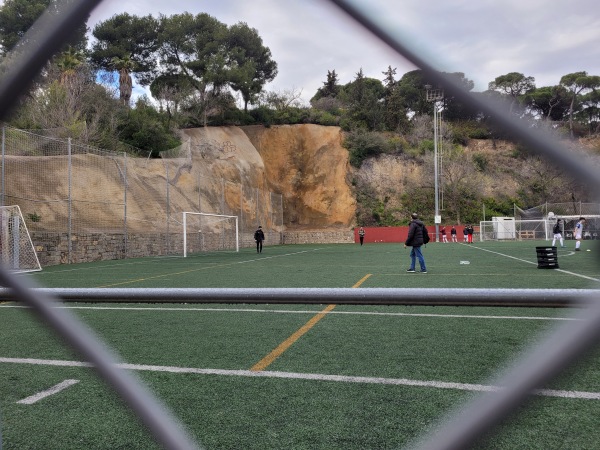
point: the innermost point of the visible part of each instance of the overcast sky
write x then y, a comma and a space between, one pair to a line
544, 39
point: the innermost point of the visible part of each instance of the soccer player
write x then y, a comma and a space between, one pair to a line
453, 233
578, 233
558, 234
443, 232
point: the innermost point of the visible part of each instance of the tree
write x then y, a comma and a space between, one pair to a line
364, 100
413, 93
590, 110
67, 63
330, 88
513, 85
395, 113
215, 58
18, 16
455, 109
127, 44
144, 128
577, 83
549, 102
249, 62
171, 91
193, 46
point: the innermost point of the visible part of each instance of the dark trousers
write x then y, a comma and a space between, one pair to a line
259, 246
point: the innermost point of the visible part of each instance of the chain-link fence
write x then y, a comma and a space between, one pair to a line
82, 203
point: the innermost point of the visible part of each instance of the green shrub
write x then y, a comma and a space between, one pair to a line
34, 217
363, 144
480, 161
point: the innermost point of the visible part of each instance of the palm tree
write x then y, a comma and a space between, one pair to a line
125, 66
68, 62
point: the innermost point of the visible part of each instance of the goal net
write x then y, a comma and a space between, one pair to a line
204, 232
16, 247
591, 230
507, 228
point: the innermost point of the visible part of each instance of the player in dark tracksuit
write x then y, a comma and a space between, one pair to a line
259, 237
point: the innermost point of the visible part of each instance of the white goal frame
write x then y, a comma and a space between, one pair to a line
223, 216
507, 228
17, 252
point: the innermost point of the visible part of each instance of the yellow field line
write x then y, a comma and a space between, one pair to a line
281, 348
362, 280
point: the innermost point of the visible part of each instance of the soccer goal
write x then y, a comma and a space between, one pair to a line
507, 228
16, 247
204, 232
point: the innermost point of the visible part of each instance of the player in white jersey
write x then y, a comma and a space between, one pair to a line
578, 233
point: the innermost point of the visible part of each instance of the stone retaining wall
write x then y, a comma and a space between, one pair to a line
318, 237
53, 248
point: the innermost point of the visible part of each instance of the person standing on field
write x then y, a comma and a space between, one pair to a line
578, 233
469, 229
443, 233
453, 233
465, 234
259, 237
557, 230
415, 239
361, 235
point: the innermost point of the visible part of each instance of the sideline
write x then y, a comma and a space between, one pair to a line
583, 395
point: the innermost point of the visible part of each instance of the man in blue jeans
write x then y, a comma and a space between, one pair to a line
415, 240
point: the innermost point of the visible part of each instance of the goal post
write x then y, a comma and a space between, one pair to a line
206, 232
16, 248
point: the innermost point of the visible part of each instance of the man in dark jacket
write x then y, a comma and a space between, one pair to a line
259, 237
415, 240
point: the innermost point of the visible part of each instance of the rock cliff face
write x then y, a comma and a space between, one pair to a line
309, 166
306, 164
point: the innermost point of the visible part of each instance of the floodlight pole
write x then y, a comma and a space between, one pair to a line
435, 96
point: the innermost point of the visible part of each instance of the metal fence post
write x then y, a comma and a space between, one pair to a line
3, 163
70, 202
125, 202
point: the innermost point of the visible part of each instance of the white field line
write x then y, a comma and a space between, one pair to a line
48, 392
162, 258
281, 311
530, 262
311, 376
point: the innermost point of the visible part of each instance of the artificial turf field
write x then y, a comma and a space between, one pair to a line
362, 377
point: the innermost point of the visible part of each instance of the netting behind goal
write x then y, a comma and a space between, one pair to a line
16, 249
203, 232
507, 228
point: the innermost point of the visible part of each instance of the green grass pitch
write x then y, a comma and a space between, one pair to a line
362, 377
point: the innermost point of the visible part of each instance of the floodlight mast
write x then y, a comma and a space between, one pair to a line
435, 96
